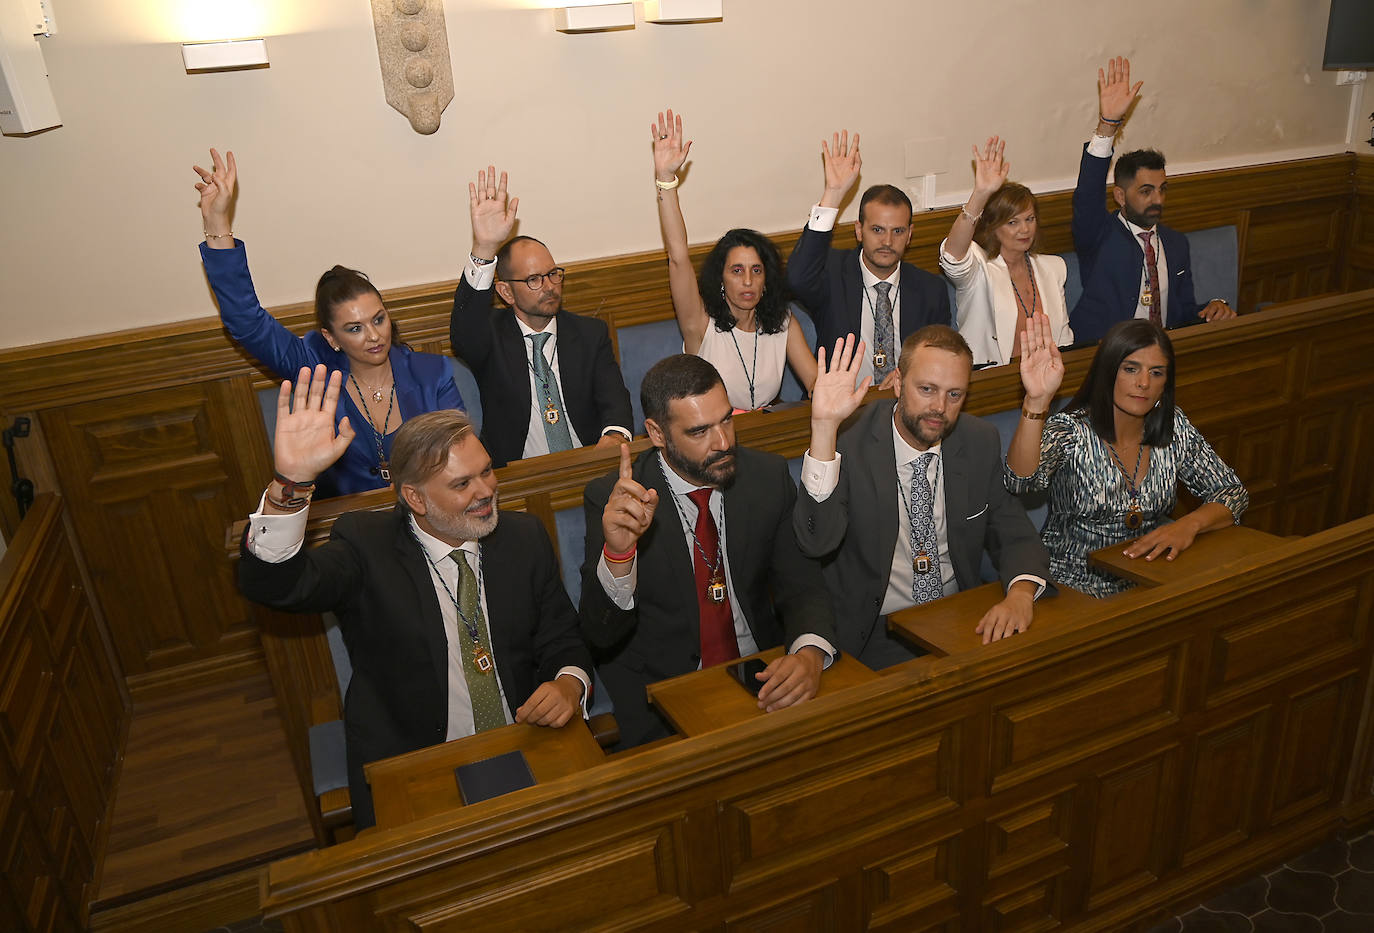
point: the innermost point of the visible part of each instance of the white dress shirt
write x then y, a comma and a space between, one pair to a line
823, 220
274, 538
621, 590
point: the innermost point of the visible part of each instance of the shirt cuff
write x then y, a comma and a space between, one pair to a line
581, 675
619, 430
479, 277
820, 477
1100, 146
815, 641
276, 538
822, 219
619, 590
1039, 582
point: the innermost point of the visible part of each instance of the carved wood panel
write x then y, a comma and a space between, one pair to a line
915, 890
1219, 798
63, 717
1132, 826
161, 474
1313, 743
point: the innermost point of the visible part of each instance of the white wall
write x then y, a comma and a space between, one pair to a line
100, 223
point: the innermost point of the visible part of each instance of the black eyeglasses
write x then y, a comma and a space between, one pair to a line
535, 282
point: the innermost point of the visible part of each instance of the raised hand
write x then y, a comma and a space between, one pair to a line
842, 163
670, 153
305, 443
629, 510
1114, 90
835, 396
493, 215
216, 187
1042, 366
990, 169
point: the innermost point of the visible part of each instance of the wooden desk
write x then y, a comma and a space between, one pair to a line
704, 701
946, 626
421, 783
1209, 550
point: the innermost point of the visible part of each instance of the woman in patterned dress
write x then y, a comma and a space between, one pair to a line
1112, 458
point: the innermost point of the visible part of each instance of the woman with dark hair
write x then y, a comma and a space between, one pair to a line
735, 315
1112, 458
1000, 281
387, 382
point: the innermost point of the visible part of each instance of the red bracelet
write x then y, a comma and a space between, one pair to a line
615, 558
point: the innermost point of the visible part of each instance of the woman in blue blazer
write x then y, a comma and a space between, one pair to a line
387, 382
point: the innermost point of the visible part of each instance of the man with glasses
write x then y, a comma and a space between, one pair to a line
547, 377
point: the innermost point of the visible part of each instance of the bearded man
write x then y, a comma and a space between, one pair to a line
454, 616
901, 507
690, 559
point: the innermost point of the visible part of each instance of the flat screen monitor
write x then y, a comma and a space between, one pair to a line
1350, 35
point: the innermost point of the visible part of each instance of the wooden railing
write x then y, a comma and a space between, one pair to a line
1083, 775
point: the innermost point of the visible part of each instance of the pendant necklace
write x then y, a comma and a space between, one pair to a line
551, 413
480, 659
1035, 293
920, 560
382, 469
1134, 516
715, 589
749, 374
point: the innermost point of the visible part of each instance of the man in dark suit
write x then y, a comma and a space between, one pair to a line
1131, 265
455, 622
867, 291
548, 378
901, 509
690, 557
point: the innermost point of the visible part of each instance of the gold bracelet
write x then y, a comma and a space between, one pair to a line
1034, 415
667, 185
220, 236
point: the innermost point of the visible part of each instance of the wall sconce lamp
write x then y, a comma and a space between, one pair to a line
600, 18
683, 11
227, 55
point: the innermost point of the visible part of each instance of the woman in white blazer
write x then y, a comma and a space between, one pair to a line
1000, 282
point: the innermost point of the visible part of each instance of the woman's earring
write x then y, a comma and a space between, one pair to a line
722, 289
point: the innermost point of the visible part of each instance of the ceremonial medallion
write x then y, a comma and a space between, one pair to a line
551, 414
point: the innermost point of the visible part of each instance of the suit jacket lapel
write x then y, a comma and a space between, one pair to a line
954, 462
881, 461
853, 294
571, 362
672, 562
431, 623
740, 544
518, 365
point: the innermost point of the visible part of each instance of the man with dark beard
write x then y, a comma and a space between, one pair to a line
1131, 265
902, 506
690, 559
455, 617
547, 378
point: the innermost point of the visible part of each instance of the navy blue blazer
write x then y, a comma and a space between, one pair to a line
424, 381
488, 339
1110, 261
830, 287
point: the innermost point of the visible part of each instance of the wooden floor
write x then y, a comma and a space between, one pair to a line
207, 788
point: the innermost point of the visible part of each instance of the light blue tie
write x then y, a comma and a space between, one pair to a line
929, 585
550, 401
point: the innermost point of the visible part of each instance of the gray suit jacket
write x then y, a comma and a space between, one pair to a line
854, 531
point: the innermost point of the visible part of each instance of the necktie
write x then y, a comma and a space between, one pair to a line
718, 642
883, 360
550, 401
1152, 270
930, 584
488, 712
